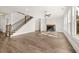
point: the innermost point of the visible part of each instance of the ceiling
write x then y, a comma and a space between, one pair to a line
36, 11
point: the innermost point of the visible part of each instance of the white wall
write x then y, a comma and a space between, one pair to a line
38, 24
2, 23
16, 17
54, 21
43, 24
59, 25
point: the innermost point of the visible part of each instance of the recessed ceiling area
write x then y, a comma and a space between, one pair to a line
36, 11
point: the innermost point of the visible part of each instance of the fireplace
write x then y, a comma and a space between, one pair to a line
51, 28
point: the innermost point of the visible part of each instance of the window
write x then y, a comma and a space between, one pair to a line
65, 23
77, 19
69, 21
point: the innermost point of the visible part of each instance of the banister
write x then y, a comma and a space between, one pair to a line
20, 23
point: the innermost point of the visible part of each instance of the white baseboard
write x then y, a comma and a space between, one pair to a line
74, 42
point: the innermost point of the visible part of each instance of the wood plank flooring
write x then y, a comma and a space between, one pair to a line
36, 42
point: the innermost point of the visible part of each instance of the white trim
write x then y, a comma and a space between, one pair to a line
73, 41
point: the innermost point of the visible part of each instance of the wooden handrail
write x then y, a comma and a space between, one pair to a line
20, 23
10, 29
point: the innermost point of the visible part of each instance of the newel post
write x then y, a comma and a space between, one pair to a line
8, 30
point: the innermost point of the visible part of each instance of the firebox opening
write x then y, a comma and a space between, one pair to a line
51, 28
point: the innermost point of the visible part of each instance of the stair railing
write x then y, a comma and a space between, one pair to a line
10, 29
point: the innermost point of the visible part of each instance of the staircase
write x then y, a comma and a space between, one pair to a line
10, 29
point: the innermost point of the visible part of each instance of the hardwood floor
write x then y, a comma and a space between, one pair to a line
45, 42
2, 36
